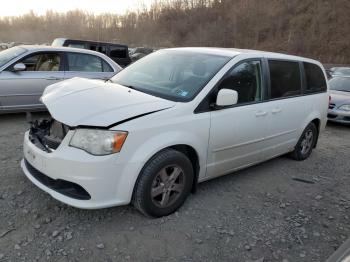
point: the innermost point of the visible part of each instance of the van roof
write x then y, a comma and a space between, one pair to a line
90, 41
232, 52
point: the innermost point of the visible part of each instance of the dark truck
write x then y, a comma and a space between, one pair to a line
119, 53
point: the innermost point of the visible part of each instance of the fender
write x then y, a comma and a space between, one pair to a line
152, 146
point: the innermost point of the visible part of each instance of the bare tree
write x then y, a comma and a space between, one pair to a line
313, 28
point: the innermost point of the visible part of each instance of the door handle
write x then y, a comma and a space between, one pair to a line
260, 113
276, 110
53, 78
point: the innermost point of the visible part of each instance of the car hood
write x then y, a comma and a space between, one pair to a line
84, 102
339, 97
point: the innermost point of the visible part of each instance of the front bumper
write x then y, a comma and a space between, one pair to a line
339, 116
104, 178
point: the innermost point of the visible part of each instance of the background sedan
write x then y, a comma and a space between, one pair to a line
339, 107
25, 71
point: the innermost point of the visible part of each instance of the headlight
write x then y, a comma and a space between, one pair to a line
344, 107
97, 141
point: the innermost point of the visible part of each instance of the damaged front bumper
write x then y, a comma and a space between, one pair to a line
68, 174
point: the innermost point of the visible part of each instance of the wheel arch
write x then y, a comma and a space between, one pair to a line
192, 155
187, 150
317, 123
316, 118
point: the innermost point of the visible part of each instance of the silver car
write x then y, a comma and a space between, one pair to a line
25, 71
339, 107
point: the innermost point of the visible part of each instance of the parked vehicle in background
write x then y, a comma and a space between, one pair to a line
339, 107
170, 120
328, 73
339, 71
139, 52
3, 46
119, 53
25, 71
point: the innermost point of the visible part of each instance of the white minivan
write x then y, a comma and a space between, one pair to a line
173, 119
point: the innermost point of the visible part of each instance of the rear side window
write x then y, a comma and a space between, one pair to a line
315, 79
285, 78
118, 52
86, 63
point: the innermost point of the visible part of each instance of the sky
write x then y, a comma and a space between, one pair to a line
20, 7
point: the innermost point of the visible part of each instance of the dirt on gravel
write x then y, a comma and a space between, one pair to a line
281, 210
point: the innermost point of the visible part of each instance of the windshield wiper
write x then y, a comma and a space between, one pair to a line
131, 87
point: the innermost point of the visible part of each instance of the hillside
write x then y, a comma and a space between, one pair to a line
314, 28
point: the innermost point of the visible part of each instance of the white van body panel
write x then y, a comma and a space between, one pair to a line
223, 140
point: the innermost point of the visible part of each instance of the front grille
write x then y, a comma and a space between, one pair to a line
61, 186
331, 106
347, 118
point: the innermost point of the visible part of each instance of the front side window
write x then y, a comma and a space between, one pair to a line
246, 80
176, 75
86, 63
11, 53
44, 62
315, 79
285, 78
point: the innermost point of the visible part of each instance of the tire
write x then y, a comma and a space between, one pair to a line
163, 184
306, 143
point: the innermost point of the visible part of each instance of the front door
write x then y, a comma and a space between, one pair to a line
23, 89
238, 134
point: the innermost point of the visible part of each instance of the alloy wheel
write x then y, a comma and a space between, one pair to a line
167, 186
307, 142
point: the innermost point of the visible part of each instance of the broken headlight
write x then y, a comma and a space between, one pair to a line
97, 141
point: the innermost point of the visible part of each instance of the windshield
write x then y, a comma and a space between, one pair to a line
9, 54
340, 84
177, 75
341, 70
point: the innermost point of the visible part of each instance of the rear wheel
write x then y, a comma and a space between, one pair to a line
163, 184
306, 143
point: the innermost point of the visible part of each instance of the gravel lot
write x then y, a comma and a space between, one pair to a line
259, 214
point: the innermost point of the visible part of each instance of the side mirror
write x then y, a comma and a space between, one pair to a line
226, 97
19, 67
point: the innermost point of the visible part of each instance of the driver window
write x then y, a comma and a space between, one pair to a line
246, 80
42, 62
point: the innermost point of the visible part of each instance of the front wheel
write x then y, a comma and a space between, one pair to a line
163, 184
306, 143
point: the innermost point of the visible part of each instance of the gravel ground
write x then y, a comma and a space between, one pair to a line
258, 214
